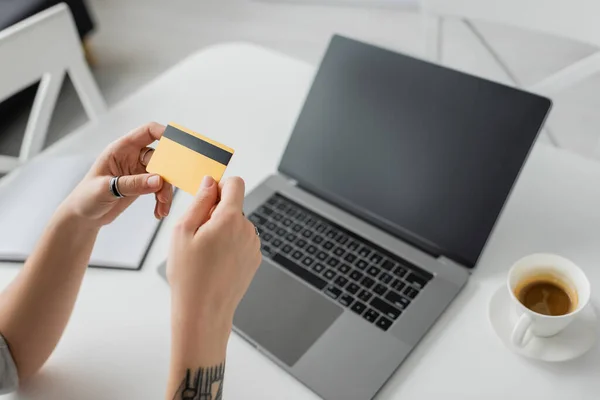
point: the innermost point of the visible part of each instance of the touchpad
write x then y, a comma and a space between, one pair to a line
282, 314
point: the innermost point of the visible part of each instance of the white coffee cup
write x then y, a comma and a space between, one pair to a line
539, 324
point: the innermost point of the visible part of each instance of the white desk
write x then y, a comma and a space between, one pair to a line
117, 343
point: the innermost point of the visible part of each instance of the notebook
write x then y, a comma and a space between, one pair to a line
30, 195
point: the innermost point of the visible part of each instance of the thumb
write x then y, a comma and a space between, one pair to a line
135, 185
205, 200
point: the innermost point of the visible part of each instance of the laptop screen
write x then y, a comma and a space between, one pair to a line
425, 152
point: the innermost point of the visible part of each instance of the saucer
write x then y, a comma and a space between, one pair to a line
572, 342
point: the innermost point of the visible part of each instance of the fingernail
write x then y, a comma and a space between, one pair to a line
207, 182
154, 181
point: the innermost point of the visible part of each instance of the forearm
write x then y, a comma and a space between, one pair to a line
198, 349
36, 307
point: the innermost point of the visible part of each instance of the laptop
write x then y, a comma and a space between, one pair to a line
388, 190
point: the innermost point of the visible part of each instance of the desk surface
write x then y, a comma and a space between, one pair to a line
117, 342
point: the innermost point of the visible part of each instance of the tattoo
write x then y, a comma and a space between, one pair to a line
204, 384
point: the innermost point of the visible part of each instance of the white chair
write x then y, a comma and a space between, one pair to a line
43, 48
573, 19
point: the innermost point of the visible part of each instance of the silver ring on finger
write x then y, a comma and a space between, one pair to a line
143, 153
113, 186
257, 231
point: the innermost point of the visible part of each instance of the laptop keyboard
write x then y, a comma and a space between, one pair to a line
356, 273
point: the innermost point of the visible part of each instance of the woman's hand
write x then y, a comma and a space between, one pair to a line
215, 252
126, 158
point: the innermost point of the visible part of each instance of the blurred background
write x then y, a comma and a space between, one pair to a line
130, 42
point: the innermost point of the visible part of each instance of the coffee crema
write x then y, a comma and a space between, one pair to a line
546, 294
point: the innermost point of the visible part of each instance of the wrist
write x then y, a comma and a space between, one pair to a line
203, 313
199, 338
67, 216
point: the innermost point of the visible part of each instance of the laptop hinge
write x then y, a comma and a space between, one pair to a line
289, 180
447, 261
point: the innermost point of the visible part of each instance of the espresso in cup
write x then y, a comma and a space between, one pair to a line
546, 294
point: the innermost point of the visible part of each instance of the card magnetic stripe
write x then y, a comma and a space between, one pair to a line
198, 145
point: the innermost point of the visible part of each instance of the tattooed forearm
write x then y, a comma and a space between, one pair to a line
202, 384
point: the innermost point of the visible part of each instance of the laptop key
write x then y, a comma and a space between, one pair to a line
301, 216
306, 233
371, 315
328, 245
300, 272
341, 239
339, 251
319, 267
364, 295
308, 261
411, 292
397, 300
321, 228
329, 274
400, 271
346, 300
416, 280
398, 285
301, 243
287, 248
272, 201
290, 237
271, 226
385, 308
367, 282
361, 264
268, 211
380, 289
318, 239
383, 323
373, 271
358, 307
311, 249
310, 222
388, 265
297, 255
267, 250
344, 268
355, 275
353, 245
350, 257
341, 281
376, 258
276, 243
291, 212
364, 252
297, 228
266, 237
322, 256
385, 278
333, 262
287, 222
331, 233
281, 232
257, 219
352, 288
333, 292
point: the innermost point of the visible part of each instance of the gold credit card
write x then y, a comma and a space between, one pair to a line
184, 157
